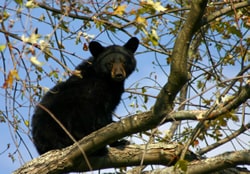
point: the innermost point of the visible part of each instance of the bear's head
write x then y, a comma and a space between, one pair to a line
115, 62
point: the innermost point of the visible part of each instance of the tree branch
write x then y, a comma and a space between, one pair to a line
242, 129
58, 161
178, 73
226, 10
223, 161
221, 164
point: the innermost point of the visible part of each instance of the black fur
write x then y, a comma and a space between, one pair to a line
84, 104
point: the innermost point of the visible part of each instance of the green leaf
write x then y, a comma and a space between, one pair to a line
2, 119
42, 18
5, 16
235, 31
154, 38
64, 26
19, 2
182, 164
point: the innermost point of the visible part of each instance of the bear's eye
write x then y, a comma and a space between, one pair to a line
110, 65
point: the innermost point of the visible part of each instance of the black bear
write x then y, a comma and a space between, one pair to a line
84, 104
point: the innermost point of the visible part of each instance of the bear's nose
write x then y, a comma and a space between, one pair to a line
118, 72
119, 76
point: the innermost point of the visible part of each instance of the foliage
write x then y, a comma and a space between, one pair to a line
42, 41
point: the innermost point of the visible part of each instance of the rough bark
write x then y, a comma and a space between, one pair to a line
164, 154
58, 161
222, 164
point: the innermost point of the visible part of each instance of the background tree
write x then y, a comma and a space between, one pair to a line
186, 105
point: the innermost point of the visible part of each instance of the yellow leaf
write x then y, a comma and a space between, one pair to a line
120, 10
13, 74
45, 47
32, 39
141, 20
2, 47
30, 4
4, 16
27, 123
156, 5
36, 62
154, 38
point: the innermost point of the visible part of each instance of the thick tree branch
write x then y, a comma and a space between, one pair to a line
179, 74
131, 155
59, 160
54, 161
221, 164
223, 161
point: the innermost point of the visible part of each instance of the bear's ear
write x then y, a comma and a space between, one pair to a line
95, 48
132, 44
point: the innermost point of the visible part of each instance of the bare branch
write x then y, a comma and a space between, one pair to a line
224, 140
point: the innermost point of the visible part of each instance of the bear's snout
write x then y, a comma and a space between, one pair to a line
118, 72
